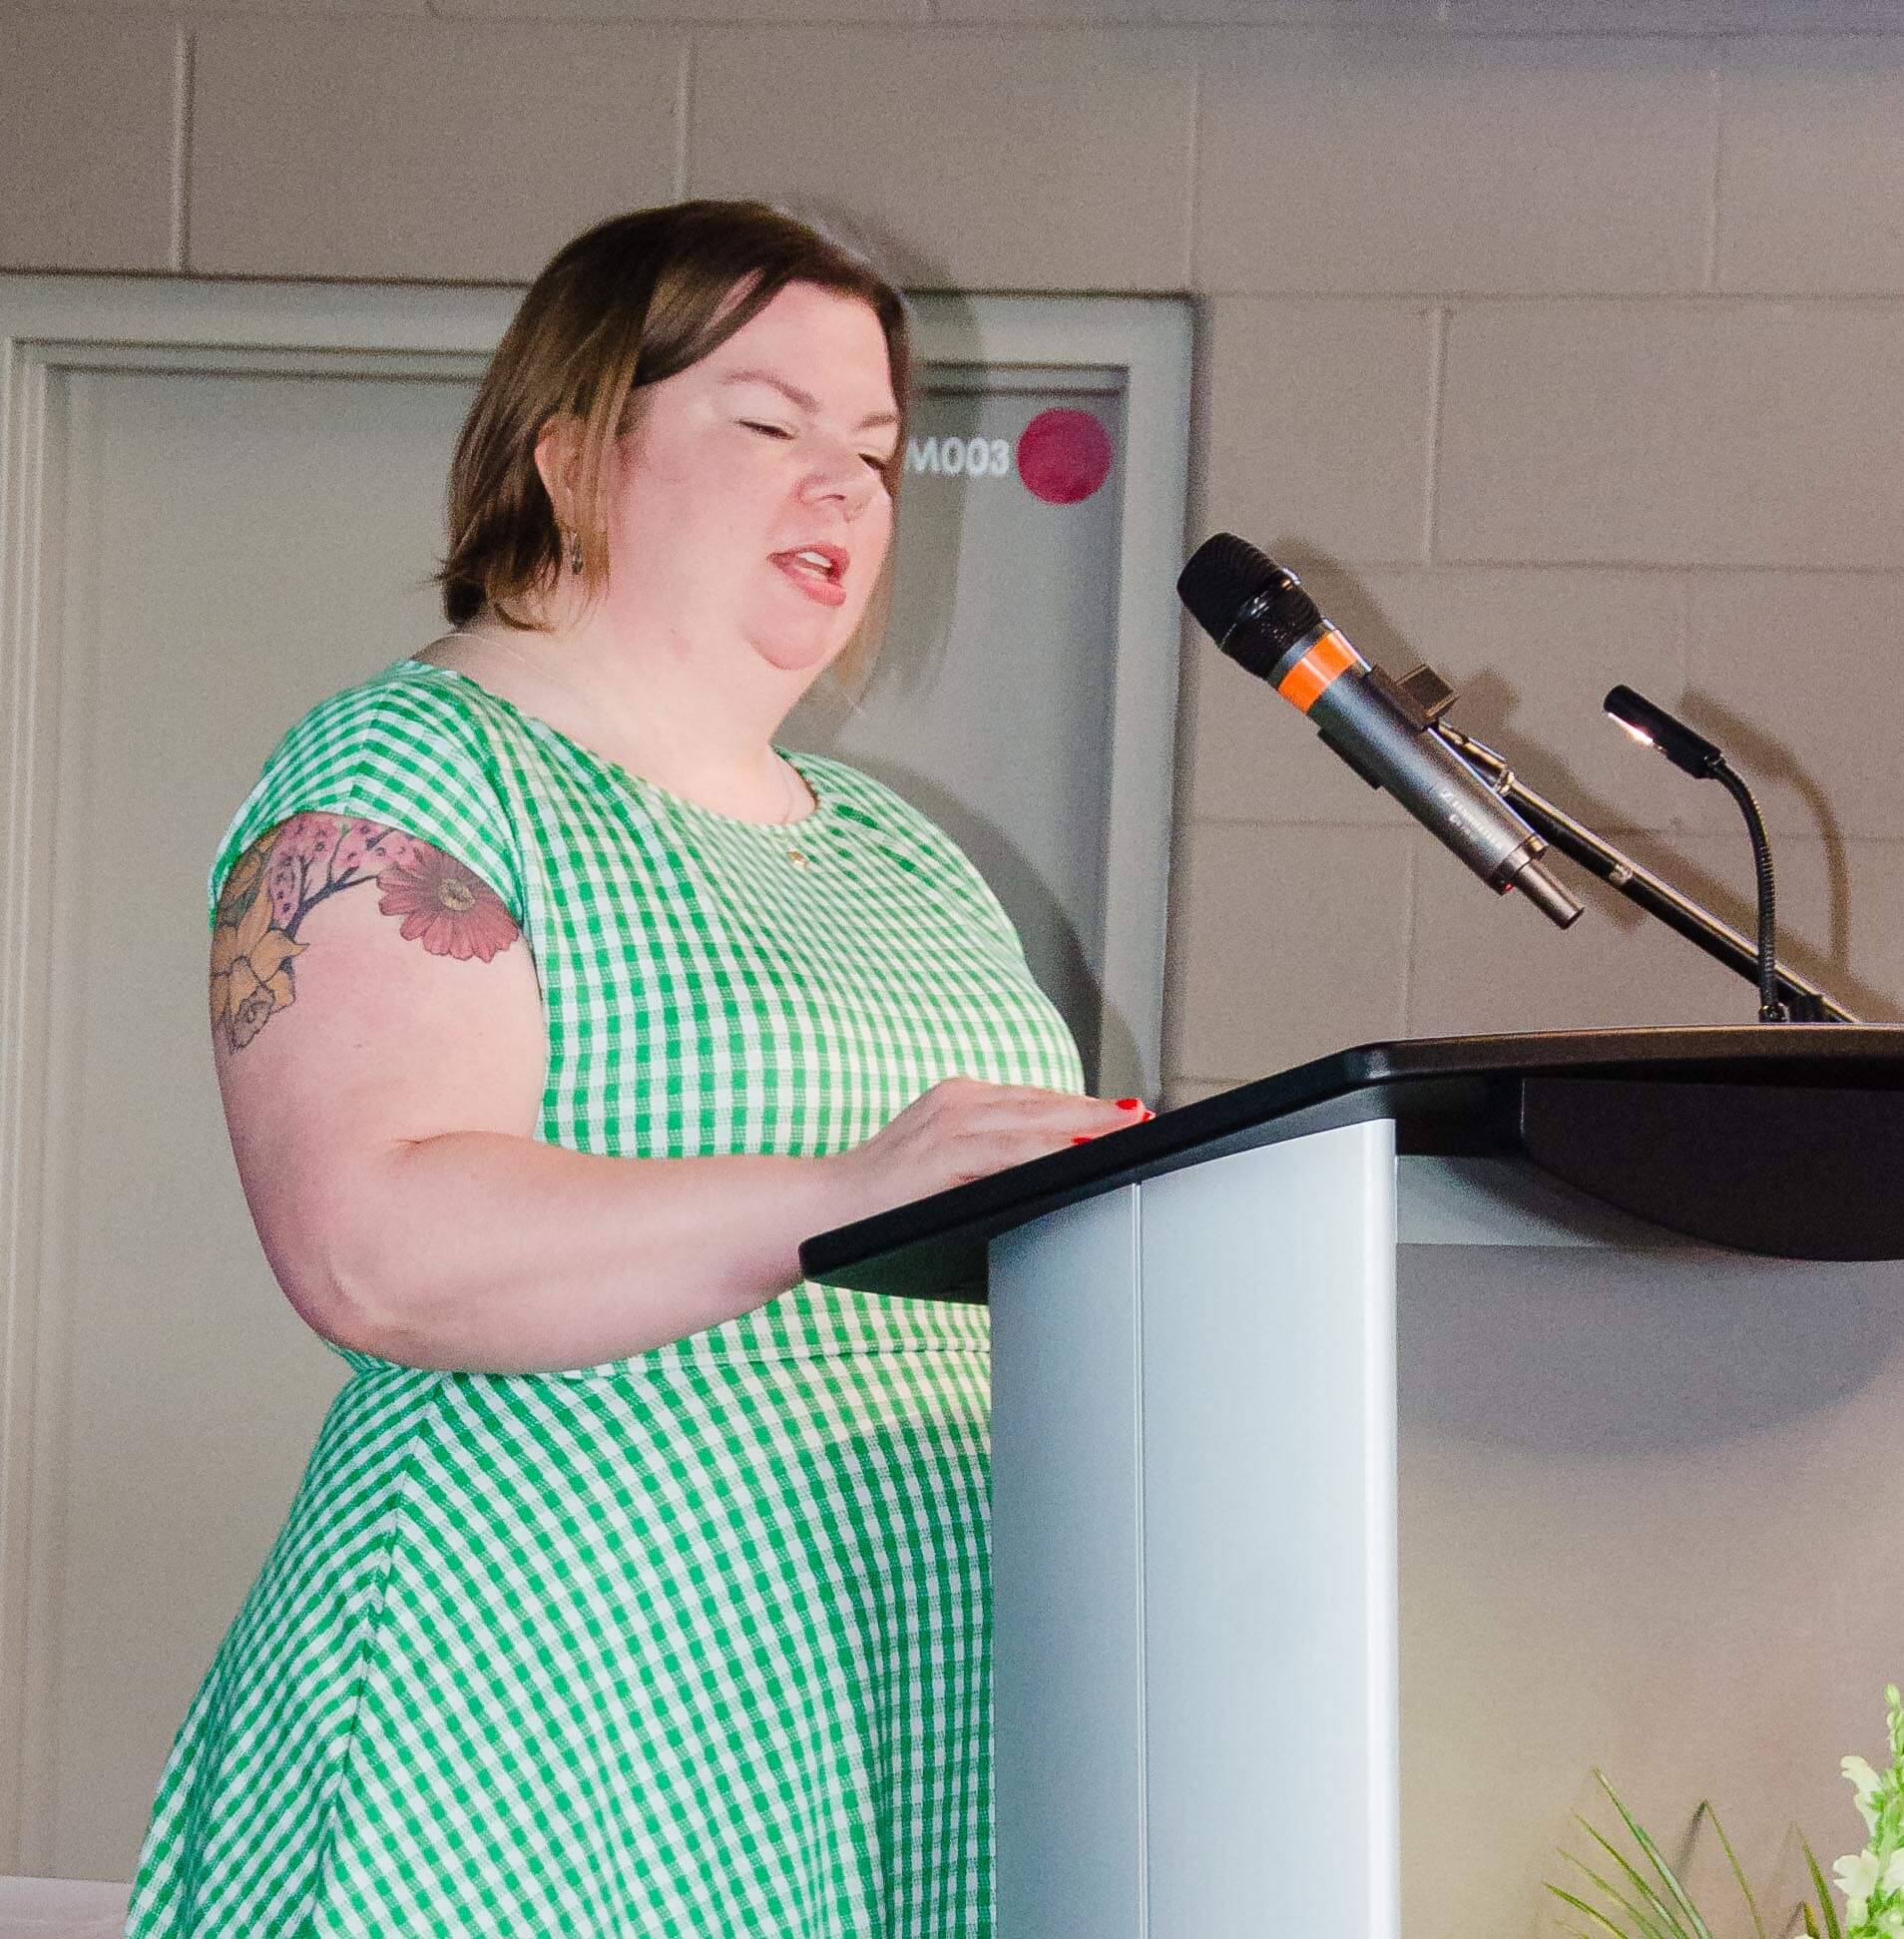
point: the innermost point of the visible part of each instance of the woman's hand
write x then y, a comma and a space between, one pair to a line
964, 1129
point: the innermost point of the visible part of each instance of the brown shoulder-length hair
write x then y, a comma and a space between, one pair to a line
626, 304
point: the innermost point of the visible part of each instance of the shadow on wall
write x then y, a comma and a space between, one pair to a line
1763, 758
1485, 708
1516, 1347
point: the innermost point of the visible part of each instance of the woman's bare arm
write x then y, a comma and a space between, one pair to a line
378, 1037
377, 1029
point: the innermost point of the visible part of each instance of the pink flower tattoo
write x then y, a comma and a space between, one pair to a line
445, 907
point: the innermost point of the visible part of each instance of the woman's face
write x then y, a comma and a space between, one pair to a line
748, 509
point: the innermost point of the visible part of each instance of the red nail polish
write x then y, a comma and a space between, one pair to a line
1128, 1104
1081, 1141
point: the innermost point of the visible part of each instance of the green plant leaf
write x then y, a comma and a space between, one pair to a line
1665, 1871
1598, 1917
1640, 1883
1758, 1924
1827, 1910
1643, 1926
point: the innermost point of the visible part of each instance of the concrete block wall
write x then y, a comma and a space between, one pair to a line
1555, 342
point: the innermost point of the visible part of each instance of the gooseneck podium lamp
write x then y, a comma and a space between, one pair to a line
1692, 754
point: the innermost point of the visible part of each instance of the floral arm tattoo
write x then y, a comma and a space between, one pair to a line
301, 863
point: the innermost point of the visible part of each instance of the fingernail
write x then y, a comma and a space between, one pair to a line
1129, 1103
1081, 1141
1146, 1116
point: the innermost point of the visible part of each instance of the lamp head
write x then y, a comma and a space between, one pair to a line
1653, 727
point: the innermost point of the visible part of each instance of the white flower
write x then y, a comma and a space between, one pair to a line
1867, 1782
1857, 1878
1893, 1878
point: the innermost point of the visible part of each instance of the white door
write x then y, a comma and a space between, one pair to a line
231, 548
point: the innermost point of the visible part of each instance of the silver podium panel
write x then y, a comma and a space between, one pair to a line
1194, 1552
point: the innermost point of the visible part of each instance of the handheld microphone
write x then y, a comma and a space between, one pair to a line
1258, 614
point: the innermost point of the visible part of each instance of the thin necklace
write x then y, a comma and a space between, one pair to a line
794, 854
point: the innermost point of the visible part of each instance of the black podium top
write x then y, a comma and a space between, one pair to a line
1781, 1139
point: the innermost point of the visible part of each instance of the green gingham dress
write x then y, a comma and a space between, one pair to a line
692, 1642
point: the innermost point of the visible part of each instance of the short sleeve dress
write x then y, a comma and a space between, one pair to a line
692, 1642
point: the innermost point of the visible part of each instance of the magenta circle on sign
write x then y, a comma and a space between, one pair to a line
1063, 456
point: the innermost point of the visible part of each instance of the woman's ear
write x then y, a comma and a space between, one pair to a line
559, 460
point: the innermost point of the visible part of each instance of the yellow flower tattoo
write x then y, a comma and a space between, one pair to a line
250, 979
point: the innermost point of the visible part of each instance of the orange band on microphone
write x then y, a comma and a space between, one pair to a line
1325, 661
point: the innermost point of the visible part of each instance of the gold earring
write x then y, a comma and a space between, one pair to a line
575, 551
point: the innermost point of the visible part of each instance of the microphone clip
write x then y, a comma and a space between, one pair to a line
1421, 696
1418, 698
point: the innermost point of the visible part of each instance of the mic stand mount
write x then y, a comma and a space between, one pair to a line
1806, 1001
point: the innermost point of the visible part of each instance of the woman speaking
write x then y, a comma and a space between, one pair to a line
636, 1586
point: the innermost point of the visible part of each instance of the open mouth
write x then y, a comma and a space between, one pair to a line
824, 563
818, 571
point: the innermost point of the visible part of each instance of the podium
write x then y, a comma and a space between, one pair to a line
1195, 1421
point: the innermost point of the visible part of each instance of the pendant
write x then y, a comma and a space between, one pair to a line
797, 858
